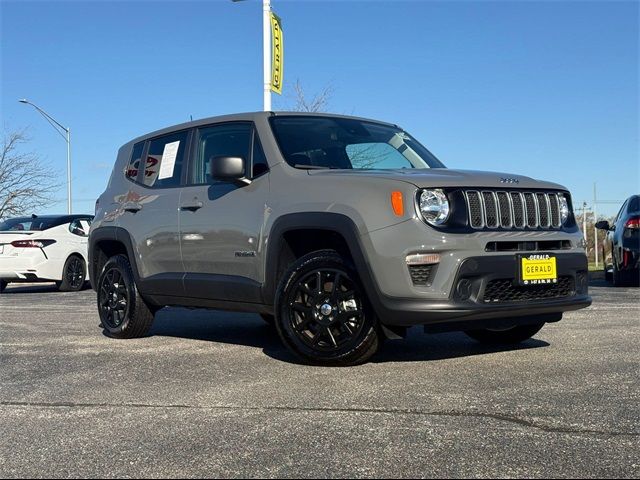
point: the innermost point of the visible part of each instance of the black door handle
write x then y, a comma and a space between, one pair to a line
132, 207
192, 207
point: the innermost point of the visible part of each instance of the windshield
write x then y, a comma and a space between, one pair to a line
28, 224
344, 143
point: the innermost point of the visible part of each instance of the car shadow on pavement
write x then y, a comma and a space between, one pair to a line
217, 326
249, 330
18, 288
420, 347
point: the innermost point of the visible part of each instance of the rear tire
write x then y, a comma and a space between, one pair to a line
505, 337
3, 285
74, 275
620, 279
123, 311
322, 313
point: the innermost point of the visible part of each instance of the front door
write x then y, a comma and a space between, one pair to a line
221, 222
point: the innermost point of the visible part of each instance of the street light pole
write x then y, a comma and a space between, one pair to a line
584, 220
67, 136
595, 220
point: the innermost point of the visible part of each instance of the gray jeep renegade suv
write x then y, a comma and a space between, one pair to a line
341, 231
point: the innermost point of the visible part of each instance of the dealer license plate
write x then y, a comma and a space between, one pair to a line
538, 269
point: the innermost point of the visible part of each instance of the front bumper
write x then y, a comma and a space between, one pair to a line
467, 307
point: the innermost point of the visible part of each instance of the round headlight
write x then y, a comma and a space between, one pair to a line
434, 206
564, 208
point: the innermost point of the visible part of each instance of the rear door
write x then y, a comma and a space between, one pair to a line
149, 211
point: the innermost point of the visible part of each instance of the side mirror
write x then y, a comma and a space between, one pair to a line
228, 169
602, 225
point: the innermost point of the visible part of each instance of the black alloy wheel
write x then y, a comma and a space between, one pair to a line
322, 314
113, 299
324, 309
74, 275
124, 313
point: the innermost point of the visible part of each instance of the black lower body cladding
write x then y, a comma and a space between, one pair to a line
485, 294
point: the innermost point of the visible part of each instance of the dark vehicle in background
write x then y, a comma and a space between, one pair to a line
621, 246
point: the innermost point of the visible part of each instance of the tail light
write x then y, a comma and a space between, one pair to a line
32, 243
633, 222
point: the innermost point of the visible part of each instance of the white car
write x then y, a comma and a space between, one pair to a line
45, 248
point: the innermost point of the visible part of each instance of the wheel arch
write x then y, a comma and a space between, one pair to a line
104, 243
294, 235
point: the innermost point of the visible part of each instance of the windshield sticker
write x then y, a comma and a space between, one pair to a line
168, 161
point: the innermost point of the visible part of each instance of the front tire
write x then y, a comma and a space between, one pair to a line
322, 313
268, 319
74, 275
123, 311
510, 336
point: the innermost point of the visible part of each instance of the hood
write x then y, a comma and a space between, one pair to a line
445, 177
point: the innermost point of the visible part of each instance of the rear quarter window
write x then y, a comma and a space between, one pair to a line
132, 169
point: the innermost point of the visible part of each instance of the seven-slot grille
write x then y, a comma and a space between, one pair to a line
489, 209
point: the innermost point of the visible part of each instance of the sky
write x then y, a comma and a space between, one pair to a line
545, 89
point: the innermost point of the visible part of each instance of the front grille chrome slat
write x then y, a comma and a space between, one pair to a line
474, 204
505, 210
519, 214
554, 207
513, 210
543, 209
490, 210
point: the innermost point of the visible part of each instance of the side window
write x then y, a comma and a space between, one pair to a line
79, 227
131, 171
634, 205
260, 164
229, 140
163, 166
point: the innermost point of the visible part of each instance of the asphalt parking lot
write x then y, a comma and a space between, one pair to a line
215, 394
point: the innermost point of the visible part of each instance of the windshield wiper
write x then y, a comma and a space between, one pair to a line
311, 167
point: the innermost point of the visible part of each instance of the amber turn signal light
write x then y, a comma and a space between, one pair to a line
397, 203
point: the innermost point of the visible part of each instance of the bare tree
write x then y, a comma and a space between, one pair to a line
26, 182
318, 103
365, 156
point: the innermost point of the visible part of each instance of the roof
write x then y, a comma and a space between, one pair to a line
246, 117
66, 217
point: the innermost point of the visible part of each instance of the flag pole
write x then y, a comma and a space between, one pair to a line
266, 40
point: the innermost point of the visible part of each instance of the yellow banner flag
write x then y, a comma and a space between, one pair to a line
277, 50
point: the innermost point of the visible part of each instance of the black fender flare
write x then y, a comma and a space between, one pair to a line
329, 221
110, 234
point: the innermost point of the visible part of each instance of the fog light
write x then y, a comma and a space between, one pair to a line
423, 258
463, 289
